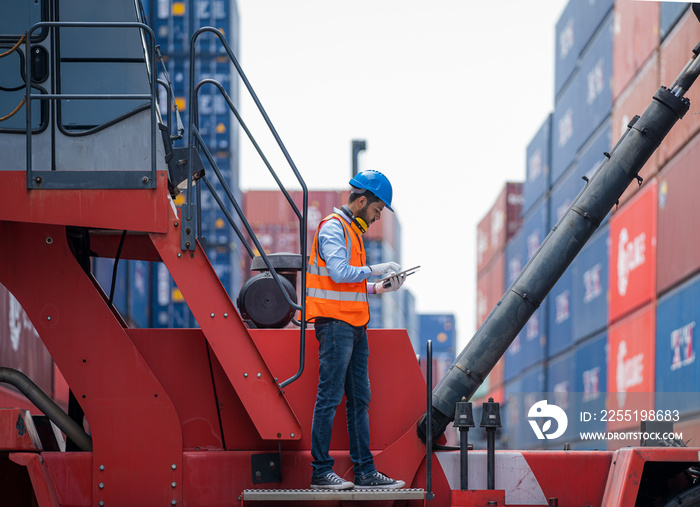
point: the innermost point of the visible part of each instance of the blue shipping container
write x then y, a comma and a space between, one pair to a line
593, 14
521, 394
568, 44
590, 365
590, 286
441, 330
538, 155
677, 374
139, 293
561, 381
670, 13
102, 269
594, 81
566, 139
559, 328
515, 261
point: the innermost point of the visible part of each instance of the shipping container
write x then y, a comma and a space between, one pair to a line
521, 394
21, 347
103, 271
632, 279
631, 365
499, 224
566, 138
568, 44
594, 81
538, 156
632, 101
593, 14
559, 326
591, 381
669, 15
490, 286
675, 52
529, 346
677, 242
635, 40
589, 302
561, 391
440, 329
139, 293
677, 373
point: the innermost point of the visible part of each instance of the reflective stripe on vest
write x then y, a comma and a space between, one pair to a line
342, 301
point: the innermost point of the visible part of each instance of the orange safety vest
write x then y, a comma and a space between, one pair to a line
342, 301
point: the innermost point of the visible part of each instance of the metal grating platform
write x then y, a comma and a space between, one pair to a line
285, 495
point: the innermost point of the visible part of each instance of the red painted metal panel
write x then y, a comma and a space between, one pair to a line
635, 38
632, 279
134, 210
107, 374
631, 369
228, 337
675, 52
678, 243
41, 482
478, 498
17, 431
179, 359
71, 476
632, 101
20, 345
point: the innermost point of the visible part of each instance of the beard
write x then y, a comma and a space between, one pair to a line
364, 215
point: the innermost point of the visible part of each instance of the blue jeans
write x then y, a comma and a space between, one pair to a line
343, 354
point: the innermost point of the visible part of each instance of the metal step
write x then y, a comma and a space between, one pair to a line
309, 495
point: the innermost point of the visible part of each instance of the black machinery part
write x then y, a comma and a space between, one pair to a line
261, 301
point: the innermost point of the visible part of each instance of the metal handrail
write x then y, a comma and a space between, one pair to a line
301, 215
101, 96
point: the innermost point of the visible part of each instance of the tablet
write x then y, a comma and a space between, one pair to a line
406, 272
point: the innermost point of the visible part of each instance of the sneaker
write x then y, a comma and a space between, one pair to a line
330, 481
377, 480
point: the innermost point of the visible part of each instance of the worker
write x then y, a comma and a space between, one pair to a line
337, 302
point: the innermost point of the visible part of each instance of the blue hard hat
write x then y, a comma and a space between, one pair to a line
375, 182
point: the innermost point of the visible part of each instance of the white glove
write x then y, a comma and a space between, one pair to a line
385, 268
391, 284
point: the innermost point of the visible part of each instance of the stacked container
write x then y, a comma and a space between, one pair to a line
616, 331
494, 231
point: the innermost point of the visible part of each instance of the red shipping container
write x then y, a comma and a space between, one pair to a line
631, 369
490, 286
675, 52
635, 38
632, 279
678, 244
20, 345
499, 224
633, 101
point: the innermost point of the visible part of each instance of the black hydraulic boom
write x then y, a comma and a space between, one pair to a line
622, 165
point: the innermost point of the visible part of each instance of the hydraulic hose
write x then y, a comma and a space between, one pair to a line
44, 403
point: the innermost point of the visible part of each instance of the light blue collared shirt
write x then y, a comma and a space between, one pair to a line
333, 250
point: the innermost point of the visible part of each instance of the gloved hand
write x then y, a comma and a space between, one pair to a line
394, 282
384, 268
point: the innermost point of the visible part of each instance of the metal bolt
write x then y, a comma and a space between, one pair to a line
174, 502
259, 375
38, 180
102, 467
49, 240
48, 317
144, 179
291, 435
101, 504
173, 466
211, 315
179, 254
176, 224
226, 315
173, 484
245, 374
102, 485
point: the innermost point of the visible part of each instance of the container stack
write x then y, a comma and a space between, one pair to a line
616, 331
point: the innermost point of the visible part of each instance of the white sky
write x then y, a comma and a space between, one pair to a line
447, 94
